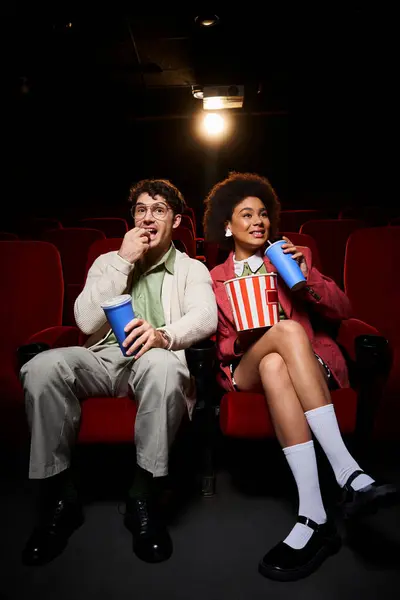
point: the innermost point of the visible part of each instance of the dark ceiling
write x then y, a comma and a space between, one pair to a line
147, 65
95, 97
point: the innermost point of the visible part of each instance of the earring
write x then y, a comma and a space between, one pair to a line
228, 232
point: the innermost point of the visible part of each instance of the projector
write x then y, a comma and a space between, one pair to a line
222, 97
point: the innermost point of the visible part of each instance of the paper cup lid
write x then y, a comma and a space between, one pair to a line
116, 301
272, 274
274, 244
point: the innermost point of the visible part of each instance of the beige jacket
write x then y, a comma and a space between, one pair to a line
190, 308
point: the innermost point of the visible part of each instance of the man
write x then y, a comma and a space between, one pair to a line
174, 307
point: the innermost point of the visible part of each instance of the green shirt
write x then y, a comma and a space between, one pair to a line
262, 270
146, 291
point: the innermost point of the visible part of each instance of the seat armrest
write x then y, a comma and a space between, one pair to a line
373, 363
201, 363
52, 337
60, 336
349, 331
28, 351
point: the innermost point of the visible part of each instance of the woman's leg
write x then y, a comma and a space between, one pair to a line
294, 436
289, 340
286, 412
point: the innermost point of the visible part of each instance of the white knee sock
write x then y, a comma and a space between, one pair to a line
324, 425
303, 463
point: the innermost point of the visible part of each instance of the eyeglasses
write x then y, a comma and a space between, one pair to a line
158, 211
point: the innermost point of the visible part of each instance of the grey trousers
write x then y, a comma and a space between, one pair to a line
55, 381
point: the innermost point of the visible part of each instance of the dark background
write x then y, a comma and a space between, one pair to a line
98, 101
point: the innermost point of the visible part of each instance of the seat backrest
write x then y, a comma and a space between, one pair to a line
372, 216
101, 247
30, 228
112, 227
331, 236
73, 244
186, 221
292, 220
211, 250
32, 290
5, 236
302, 239
45, 223
179, 245
186, 236
371, 278
72, 290
189, 211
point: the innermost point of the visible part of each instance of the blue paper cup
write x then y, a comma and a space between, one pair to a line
119, 311
287, 268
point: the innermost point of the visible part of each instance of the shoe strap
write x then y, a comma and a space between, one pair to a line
309, 522
352, 477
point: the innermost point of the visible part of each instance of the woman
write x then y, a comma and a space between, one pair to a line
293, 365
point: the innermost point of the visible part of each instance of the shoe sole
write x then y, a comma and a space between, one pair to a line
331, 548
373, 502
60, 550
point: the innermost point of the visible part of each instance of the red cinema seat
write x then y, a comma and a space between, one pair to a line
112, 227
372, 284
331, 237
245, 415
32, 300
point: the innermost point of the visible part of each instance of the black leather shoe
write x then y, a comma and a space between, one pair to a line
50, 538
367, 500
151, 540
284, 563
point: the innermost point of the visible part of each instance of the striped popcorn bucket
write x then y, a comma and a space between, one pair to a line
254, 301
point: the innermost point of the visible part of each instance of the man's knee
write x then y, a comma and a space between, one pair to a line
42, 368
164, 374
159, 362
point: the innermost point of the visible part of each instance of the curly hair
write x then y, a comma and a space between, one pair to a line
225, 195
159, 187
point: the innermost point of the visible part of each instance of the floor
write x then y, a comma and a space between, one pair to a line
218, 541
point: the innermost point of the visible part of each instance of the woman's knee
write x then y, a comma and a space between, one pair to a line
290, 328
288, 333
272, 366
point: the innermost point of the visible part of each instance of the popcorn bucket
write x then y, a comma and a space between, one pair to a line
254, 301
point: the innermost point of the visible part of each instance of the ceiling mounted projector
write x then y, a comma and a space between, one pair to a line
222, 97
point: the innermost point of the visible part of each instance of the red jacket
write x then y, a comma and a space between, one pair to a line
324, 298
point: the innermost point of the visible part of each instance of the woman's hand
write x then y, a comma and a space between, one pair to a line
297, 256
247, 338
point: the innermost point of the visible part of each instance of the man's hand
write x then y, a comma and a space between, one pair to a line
142, 334
135, 244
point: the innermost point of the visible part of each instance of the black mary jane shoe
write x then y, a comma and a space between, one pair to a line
367, 500
284, 563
